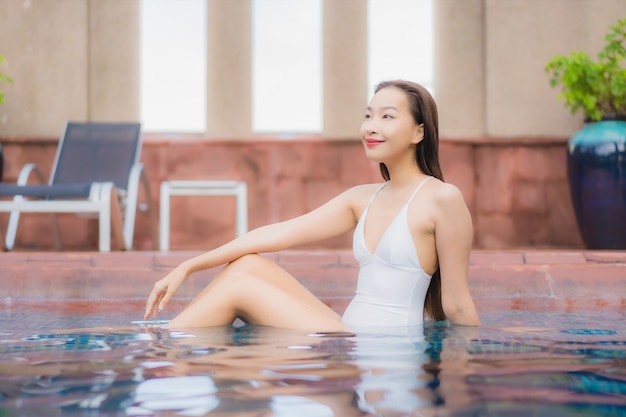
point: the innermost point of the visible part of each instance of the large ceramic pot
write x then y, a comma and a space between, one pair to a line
596, 168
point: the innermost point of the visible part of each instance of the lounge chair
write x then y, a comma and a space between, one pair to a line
96, 170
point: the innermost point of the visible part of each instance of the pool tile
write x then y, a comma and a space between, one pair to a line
67, 258
508, 281
508, 274
136, 260
496, 258
14, 260
595, 280
605, 256
558, 257
171, 259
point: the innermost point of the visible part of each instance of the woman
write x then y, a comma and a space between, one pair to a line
412, 240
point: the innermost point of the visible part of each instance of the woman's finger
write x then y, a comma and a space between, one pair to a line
165, 299
152, 302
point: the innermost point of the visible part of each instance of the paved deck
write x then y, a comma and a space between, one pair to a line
516, 279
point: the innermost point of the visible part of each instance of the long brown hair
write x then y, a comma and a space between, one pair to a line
424, 111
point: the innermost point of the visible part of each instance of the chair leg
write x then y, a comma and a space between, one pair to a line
56, 231
115, 215
164, 217
151, 210
14, 219
109, 214
104, 224
138, 178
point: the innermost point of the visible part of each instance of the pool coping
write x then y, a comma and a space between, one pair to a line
509, 277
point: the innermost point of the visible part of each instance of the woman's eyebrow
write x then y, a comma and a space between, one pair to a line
384, 108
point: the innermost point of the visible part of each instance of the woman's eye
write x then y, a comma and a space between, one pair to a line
387, 116
367, 116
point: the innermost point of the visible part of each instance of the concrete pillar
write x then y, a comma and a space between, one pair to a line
520, 101
69, 60
344, 67
460, 67
114, 60
522, 37
45, 44
229, 68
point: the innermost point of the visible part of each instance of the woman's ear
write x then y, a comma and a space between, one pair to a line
419, 134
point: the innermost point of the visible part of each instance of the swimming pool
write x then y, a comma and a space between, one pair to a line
92, 360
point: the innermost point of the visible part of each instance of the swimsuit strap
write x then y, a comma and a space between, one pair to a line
417, 188
374, 195
410, 198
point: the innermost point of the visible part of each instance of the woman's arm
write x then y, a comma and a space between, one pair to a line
331, 219
453, 240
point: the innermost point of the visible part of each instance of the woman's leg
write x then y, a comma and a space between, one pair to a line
259, 292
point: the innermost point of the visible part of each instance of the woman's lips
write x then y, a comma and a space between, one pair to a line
372, 142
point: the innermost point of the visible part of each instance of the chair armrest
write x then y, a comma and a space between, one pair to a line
26, 171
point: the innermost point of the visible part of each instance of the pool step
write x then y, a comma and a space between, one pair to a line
594, 278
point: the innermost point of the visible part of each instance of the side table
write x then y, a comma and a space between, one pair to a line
238, 189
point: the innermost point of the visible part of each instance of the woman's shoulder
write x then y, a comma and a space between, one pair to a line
444, 191
364, 189
447, 196
361, 194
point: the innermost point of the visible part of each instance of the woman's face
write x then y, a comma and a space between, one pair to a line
389, 130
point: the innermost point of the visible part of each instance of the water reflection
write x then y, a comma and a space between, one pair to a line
252, 370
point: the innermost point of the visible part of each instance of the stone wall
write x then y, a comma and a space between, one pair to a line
516, 189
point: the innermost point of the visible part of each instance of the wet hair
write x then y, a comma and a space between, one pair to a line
424, 111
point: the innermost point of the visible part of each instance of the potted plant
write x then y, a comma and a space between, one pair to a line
596, 155
3, 78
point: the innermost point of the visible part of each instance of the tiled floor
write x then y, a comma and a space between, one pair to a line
498, 279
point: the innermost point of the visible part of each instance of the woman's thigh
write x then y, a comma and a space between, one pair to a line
260, 292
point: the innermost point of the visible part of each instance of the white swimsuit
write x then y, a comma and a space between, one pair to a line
391, 285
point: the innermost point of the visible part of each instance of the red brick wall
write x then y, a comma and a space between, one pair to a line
515, 189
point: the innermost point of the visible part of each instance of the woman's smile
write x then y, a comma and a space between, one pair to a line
371, 142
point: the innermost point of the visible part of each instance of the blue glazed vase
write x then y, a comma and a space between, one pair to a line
596, 170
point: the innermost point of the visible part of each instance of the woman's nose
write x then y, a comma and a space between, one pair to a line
369, 126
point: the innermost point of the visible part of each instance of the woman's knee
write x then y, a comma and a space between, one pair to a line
257, 268
254, 264
246, 268
248, 263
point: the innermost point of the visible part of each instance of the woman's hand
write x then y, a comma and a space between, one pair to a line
163, 290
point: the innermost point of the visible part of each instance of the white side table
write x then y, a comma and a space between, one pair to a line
238, 189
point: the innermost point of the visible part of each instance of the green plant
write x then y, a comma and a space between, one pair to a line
3, 78
598, 88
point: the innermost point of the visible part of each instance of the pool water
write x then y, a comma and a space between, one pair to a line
97, 361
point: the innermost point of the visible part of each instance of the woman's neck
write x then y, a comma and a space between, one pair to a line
403, 175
